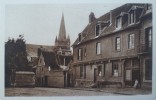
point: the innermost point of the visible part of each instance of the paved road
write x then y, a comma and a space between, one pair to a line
51, 92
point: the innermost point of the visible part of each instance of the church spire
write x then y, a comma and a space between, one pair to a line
68, 38
62, 32
56, 39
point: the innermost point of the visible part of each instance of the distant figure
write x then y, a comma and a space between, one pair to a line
100, 74
136, 83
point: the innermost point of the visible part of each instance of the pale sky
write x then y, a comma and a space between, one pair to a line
40, 23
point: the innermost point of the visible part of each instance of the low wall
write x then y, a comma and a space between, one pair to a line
56, 79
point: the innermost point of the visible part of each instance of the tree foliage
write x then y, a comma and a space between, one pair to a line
15, 58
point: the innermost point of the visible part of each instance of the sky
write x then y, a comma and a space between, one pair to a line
40, 23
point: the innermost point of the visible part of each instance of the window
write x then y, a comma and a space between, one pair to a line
98, 48
149, 6
118, 22
117, 44
79, 37
131, 41
148, 38
80, 52
85, 52
128, 74
99, 70
148, 69
97, 30
135, 63
83, 71
115, 70
131, 17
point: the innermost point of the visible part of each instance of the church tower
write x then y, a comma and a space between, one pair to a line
62, 41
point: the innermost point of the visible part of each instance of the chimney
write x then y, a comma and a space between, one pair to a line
111, 16
91, 17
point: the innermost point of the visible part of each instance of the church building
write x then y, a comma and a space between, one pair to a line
54, 63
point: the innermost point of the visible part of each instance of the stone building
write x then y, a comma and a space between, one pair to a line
115, 49
53, 68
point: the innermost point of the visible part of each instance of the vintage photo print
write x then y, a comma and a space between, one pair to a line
78, 49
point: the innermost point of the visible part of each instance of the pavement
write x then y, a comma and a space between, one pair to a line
122, 91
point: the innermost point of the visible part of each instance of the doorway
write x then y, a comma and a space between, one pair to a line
95, 75
135, 75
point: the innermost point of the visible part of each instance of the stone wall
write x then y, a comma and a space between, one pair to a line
56, 79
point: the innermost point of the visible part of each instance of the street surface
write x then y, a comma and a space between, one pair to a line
52, 92
42, 91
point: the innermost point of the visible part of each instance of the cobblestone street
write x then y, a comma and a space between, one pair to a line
69, 92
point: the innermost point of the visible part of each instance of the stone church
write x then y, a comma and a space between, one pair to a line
54, 63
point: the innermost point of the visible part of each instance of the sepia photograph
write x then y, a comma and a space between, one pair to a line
81, 49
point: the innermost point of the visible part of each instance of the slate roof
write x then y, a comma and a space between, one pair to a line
89, 32
32, 49
54, 60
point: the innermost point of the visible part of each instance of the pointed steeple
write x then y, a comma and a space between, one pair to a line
68, 38
62, 32
56, 39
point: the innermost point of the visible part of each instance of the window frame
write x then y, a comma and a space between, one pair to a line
118, 21
80, 54
99, 69
131, 41
99, 30
98, 48
130, 17
82, 71
149, 7
117, 44
147, 80
115, 65
85, 52
148, 37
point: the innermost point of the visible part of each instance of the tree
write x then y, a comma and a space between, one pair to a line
15, 58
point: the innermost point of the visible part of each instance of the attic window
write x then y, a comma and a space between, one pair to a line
79, 37
118, 22
97, 30
149, 6
132, 17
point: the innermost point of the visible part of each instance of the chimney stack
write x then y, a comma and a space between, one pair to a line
91, 17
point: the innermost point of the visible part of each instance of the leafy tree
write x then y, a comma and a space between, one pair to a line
15, 58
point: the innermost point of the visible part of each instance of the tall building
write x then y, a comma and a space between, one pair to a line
115, 49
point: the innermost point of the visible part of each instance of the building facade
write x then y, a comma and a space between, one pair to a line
115, 49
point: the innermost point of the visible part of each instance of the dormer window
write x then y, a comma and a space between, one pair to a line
97, 30
149, 6
132, 17
118, 22
79, 37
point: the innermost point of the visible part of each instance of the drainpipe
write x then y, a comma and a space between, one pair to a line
123, 73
